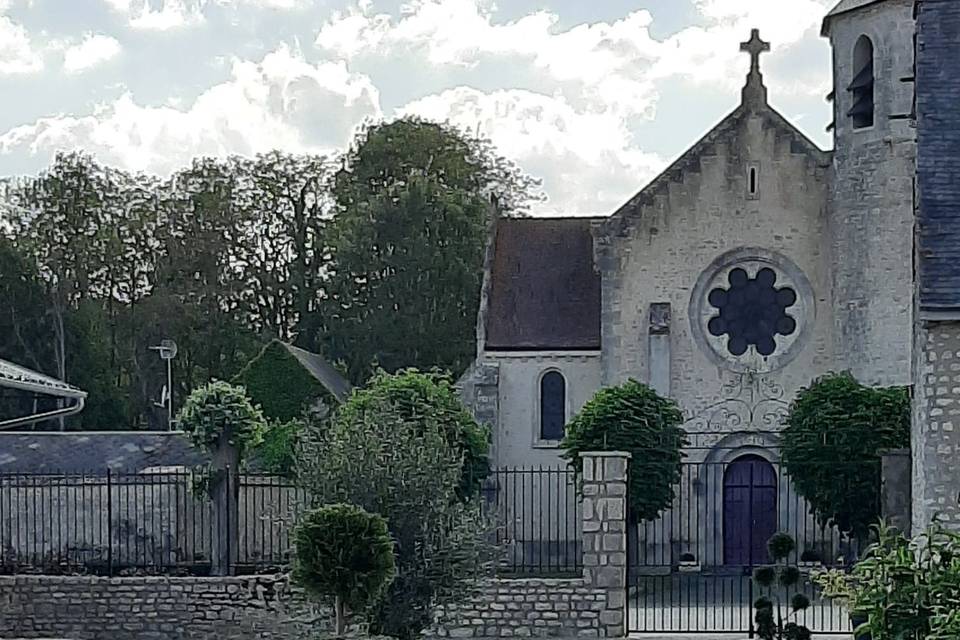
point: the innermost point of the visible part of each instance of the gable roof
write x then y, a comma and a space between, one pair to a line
689, 161
544, 290
95, 452
323, 371
844, 6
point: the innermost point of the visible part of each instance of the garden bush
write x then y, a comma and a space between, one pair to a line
344, 553
772, 614
389, 450
633, 418
221, 410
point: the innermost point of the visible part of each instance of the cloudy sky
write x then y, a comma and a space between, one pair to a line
592, 96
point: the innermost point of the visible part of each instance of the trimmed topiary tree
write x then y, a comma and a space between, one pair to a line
836, 432
220, 418
773, 622
634, 418
344, 553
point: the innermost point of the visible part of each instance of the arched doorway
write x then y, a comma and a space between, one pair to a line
749, 510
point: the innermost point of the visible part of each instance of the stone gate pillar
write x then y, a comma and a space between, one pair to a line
605, 533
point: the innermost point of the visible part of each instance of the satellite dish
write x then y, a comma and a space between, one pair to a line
168, 349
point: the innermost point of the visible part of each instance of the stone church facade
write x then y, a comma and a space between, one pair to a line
753, 264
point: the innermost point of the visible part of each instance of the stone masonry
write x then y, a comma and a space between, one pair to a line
593, 605
155, 608
936, 425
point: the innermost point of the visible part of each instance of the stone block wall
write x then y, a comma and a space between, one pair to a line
593, 605
526, 608
936, 425
155, 608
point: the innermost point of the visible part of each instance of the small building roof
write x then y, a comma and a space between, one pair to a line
544, 290
95, 451
323, 371
14, 376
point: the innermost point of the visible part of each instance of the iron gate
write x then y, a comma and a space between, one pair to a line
691, 570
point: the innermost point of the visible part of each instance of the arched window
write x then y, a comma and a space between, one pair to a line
861, 88
553, 403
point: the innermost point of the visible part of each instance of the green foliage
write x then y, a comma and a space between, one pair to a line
345, 553
218, 411
836, 432
633, 418
431, 400
276, 452
780, 545
902, 588
413, 210
282, 387
391, 452
771, 614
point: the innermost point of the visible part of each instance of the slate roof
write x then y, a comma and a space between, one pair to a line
94, 452
16, 377
323, 371
544, 292
938, 157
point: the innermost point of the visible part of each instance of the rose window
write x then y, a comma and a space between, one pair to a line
752, 311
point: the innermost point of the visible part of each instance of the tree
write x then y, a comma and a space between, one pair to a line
633, 418
412, 204
431, 400
397, 461
772, 616
837, 430
345, 553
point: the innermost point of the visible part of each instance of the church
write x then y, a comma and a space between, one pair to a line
753, 264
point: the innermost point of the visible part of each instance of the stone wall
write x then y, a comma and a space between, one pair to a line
526, 608
154, 608
936, 425
593, 605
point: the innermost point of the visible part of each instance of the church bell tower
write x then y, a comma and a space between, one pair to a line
871, 201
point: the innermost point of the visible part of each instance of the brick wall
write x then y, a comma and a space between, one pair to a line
155, 608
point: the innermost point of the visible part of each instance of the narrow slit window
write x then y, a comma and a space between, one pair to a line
752, 187
862, 86
553, 402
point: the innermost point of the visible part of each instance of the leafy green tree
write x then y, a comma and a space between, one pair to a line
632, 417
220, 413
836, 432
397, 460
429, 399
412, 204
345, 553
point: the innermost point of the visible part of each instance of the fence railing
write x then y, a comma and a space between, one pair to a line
691, 569
110, 523
538, 519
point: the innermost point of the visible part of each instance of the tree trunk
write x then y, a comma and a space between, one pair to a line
225, 493
340, 612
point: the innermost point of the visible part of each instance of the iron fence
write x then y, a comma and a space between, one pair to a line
690, 571
537, 515
113, 523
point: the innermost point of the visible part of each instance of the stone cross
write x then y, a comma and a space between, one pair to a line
755, 46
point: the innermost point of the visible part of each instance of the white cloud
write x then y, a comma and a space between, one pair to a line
16, 53
93, 50
170, 14
585, 159
280, 102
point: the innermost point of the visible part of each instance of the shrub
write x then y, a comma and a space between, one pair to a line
220, 410
771, 614
277, 450
390, 453
902, 588
345, 553
634, 418
836, 432
431, 400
